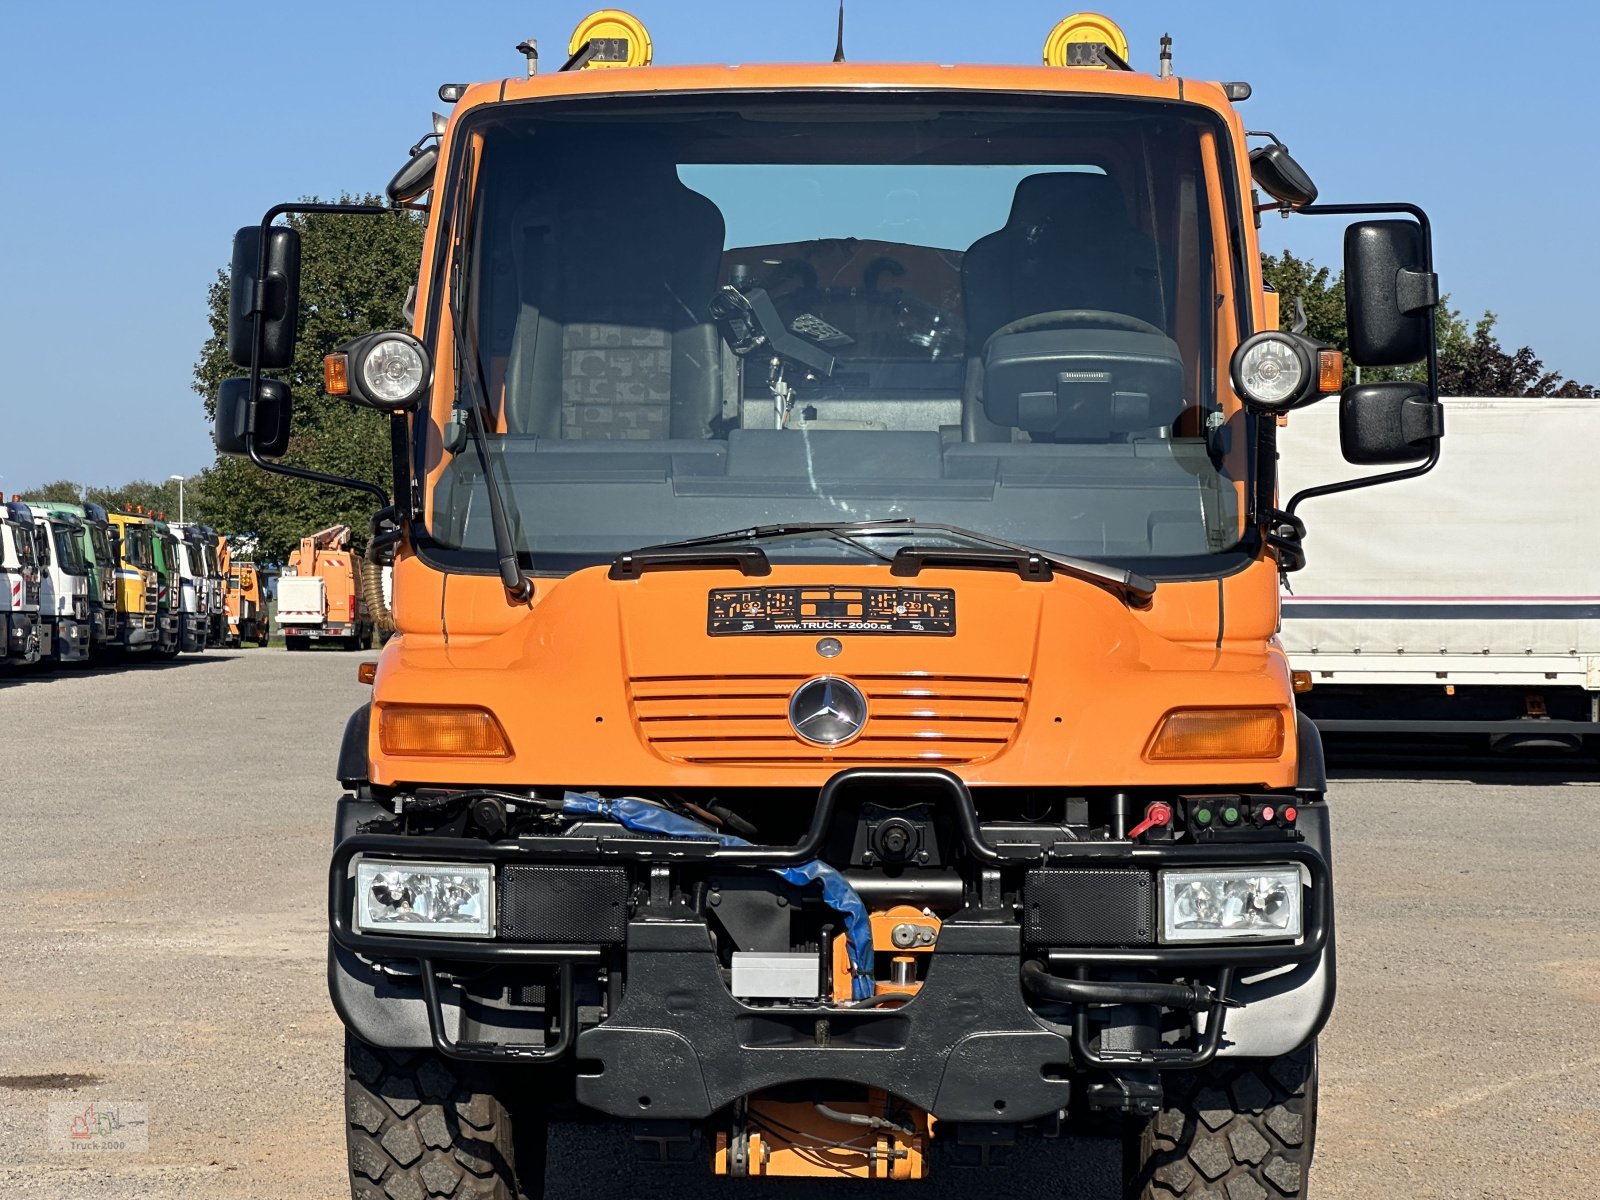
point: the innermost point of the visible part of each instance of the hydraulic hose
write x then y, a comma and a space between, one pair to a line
1195, 997
372, 590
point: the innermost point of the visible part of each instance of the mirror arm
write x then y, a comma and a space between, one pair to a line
1349, 485
1422, 468
272, 214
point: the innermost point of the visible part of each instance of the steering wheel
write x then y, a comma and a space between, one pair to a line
1067, 318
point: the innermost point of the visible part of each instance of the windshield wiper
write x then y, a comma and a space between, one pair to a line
721, 549
1028, 562
465, 335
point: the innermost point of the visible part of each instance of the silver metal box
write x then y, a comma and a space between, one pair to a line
763, 976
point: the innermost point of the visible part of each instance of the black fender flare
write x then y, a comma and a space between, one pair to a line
1312, 775
353, 766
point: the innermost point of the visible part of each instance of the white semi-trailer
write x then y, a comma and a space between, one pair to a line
1464, 601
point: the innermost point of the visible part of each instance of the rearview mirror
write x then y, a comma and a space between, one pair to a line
1390, 292
1278, 175
1386, 423
416, 177
269, 410
276, 294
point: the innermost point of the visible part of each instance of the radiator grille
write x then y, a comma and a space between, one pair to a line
910, 718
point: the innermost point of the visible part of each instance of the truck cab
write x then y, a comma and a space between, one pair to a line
92, 533
245, 602
63, 585
836, 724
191, 553
169, 589
137, 594
24, 637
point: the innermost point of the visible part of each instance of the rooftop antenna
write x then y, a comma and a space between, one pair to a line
838, 47
1166, 56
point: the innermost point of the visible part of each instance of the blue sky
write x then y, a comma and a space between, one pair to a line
142, 135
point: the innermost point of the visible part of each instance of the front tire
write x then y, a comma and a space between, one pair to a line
418, 1125
1242, 1129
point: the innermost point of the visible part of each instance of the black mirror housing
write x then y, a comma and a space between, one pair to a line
1278, 175
1389, 423
416, 177
268, 411
277, 293
1390, 292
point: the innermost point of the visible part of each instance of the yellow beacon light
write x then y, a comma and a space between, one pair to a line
614, 39
1075, 42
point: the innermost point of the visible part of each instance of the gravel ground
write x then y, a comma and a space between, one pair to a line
166, 828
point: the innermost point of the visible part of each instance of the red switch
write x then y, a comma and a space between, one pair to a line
1158, 812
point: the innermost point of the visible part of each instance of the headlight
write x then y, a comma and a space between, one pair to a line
426, 898
1272, 370
392, 371
388, 371
1240, 902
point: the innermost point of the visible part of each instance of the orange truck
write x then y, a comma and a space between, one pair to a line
320, 594
244, 599
836, 724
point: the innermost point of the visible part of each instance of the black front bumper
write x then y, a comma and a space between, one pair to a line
972, 1045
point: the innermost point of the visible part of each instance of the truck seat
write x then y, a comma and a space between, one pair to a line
614, 275
1067, 243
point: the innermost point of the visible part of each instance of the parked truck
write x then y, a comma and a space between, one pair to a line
191, 554
203, 543
244, 600
320, 596
24, 638
837, 725
137, 585
1477, 614
93, 535
63, 585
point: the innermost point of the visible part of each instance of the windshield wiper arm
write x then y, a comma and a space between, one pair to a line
519, 590
1029, 563
751, 560
757, 533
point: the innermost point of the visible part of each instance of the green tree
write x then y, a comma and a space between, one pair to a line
355, 275
1480, 366
60, 491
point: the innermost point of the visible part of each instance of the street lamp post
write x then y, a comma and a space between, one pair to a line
180, 480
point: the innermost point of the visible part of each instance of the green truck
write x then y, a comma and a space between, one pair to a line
94, 537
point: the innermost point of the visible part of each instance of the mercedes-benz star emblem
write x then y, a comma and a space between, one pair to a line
827, 711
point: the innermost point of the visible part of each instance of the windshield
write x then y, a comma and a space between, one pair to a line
100, 544
998, 319
136, 547
69, 555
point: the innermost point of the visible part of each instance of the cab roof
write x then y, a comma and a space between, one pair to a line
799, 77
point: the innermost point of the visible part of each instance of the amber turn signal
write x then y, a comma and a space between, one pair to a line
336, 374
1218, 733
1330, 371
1302, 682
440, 731
366, 672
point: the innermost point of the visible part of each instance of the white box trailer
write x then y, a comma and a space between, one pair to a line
1466, 600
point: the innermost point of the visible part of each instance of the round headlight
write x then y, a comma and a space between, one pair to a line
393, 371
1272, 370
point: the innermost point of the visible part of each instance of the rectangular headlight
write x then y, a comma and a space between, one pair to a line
1236, 902
430, 899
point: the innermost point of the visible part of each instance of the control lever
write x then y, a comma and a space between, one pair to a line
1158, 812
